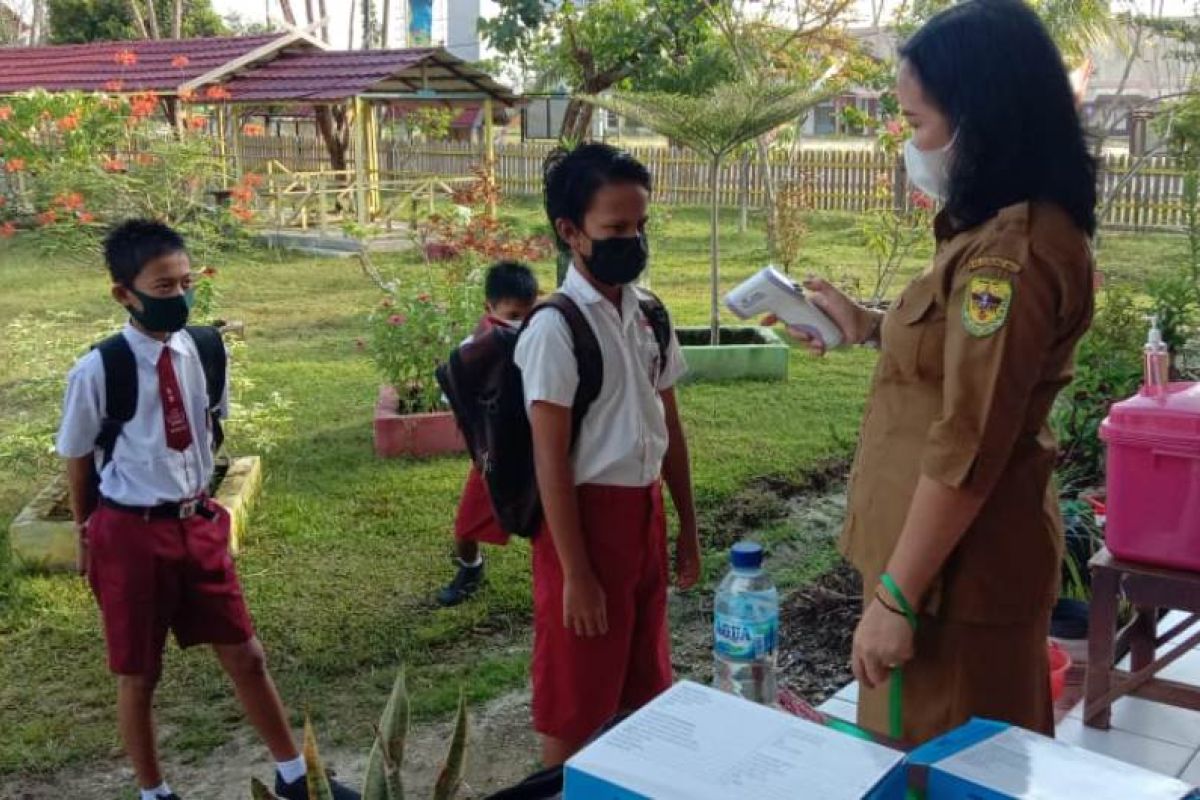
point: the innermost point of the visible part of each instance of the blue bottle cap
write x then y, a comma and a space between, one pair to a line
746, 555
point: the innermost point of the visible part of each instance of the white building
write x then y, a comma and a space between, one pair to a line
453, 24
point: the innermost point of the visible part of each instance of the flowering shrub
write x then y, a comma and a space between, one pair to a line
73, 162
890, 228
411, 332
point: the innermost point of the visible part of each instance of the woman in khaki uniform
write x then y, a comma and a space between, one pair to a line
953, 513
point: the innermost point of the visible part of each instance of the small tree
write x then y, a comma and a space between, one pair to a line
713, 126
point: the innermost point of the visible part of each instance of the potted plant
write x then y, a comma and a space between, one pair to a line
714, 125
416, 324
411, 332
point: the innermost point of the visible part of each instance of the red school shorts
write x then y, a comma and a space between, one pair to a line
151, 576
476, 520
580, 683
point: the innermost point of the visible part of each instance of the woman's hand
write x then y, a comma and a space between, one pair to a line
81, 549
882, 642
585, 608
855, 322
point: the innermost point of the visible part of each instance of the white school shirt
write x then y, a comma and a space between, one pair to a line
623, 437
143, 470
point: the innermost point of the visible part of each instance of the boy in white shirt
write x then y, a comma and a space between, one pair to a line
153, 546
600, 565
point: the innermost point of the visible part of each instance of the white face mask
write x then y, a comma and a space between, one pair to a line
929, 170
511, 323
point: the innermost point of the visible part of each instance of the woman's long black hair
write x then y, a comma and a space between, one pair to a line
992, 68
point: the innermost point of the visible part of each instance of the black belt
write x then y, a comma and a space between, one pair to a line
183, 510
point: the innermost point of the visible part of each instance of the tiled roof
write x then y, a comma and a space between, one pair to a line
316, 76
160, 65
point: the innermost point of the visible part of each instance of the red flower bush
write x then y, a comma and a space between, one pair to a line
14, 165
179, 62
126, 58
7, 230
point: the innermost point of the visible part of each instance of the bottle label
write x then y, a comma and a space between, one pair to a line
743, 639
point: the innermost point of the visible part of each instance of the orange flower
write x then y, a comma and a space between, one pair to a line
209, 272
197, 123
253, 129
217, 92
87, 218
6, 113
242, 193
145, 159
126, 58
114, 86
111, 164
14, 165
68, 123
47, 218
7, 230
242, 213
187, 95
179, 62
71, 202
253, 180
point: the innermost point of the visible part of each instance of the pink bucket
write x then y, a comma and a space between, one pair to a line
1153, 487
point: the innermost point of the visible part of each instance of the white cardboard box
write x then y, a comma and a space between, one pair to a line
696, 743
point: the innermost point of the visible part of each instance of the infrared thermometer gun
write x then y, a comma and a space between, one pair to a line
772, 292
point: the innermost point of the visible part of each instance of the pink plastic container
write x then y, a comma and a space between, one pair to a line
1060, 665
1153, 498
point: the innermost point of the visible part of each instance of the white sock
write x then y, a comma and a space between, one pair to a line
157, 793
292, 771
478, 562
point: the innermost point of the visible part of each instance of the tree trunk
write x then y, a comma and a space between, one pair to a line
324, 20
366, 23
289, 14
335, 145
309, 16
577, 121
385, 31
714, 247
177, 20
139, 21
37, 31
350, 35
152, 20
769, 194
744, 192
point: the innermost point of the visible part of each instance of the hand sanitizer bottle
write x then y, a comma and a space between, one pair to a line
1157, 362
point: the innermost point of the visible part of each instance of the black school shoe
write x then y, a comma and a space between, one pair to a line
298, 789
464, 586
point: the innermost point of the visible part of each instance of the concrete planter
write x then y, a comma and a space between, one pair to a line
43, 537
744, 354
416, 435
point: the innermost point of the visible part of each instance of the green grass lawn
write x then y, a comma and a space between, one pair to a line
345, 550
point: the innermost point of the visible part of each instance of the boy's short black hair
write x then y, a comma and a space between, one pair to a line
571, 179
510, 280
133, 244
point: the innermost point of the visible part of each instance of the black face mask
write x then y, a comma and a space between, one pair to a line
618, 260
163, 314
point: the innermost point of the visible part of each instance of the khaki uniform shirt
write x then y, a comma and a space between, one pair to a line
973, 354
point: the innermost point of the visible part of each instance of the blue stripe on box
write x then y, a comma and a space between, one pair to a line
957, 740
579, 785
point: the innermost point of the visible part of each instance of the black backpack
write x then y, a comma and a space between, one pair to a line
483, 385
121, 384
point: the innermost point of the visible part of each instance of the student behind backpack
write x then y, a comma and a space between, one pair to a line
600, 565
153, 546
511, 291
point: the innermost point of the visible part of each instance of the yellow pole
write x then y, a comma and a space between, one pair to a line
489, 152
360, 160
373, 153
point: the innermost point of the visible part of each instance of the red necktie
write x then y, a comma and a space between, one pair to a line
179, 433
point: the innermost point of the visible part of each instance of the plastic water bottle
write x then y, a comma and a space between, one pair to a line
746, 628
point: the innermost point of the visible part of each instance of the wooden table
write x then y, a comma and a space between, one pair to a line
1148, 589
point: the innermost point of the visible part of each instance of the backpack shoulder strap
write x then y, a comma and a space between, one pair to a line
588, 357
659, 318
214, 359
120, 391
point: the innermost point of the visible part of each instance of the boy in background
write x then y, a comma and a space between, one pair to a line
600, 564
511, 290
153, 546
